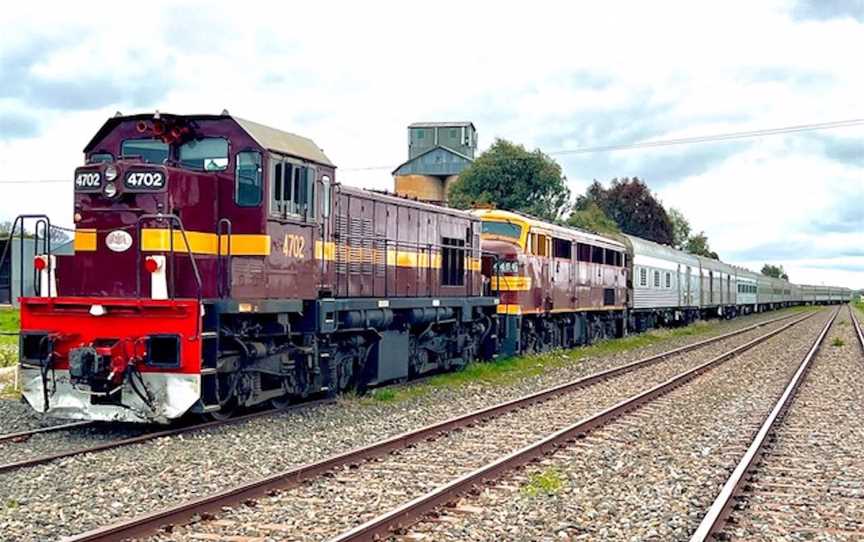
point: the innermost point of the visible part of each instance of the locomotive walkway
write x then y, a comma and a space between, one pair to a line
388, 472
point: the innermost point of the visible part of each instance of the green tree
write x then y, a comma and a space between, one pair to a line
698, 244
593, 219
510, 177
775, 271
680, 228
631, 205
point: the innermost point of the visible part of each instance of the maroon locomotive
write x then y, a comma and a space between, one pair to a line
218, 264
559, 287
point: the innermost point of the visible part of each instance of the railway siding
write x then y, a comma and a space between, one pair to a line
647, 476
810, 482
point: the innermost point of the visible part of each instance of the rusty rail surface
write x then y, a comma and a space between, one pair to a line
714, 521
386, 524
857, 326
149, 523
25, 435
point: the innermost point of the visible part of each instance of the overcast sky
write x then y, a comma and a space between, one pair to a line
557, 76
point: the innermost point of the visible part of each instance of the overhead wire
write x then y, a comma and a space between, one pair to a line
624, 146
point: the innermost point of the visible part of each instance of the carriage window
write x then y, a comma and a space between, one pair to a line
561, 248
610, 257
206, 154
656, 279
539, 244
597, 254
99, 157
643, 277
668, 279
152, 151
583, 252
452, 261
247, 179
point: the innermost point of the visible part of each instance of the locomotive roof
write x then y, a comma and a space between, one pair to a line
407, 202
534, 223
267, 137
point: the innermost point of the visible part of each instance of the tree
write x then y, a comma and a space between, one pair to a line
631, 205
593, 219
680, 228
775, 271
698, 244
510, 177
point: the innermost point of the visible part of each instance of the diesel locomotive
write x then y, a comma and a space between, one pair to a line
218, 264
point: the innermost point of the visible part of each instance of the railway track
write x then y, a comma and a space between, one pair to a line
501, 426
856, 324
111, 444
802, 475
24, 436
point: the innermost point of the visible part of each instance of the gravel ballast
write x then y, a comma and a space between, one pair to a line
651, 474
76, 494
352, 495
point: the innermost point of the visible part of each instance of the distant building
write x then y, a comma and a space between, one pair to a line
11, 279
437, 153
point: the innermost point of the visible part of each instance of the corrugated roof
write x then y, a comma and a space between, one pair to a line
431, 149
440, 124
284, 142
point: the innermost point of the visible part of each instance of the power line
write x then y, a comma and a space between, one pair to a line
689, 140
627, 146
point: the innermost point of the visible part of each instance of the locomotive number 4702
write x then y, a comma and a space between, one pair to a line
148, 180
293, 246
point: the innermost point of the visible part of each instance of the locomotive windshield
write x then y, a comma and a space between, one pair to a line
152, 151
502, 229
206, 154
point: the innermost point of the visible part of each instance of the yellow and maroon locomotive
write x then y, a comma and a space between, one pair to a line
218, 264
559, 287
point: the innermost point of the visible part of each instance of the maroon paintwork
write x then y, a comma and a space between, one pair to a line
346, 252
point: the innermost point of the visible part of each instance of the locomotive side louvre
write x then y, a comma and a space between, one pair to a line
558, 287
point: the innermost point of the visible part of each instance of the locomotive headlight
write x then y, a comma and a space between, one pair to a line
110, 173
110, 190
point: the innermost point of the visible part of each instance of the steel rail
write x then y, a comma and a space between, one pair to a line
384, 525
25, 435
857, 326
42, 459
715, 519
149, 523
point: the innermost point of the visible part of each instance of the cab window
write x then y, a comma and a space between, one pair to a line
205, 154
152, 151
247, 179
99, 157
502, 229
293, 189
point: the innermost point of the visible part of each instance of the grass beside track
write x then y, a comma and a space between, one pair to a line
509, 370
9, 323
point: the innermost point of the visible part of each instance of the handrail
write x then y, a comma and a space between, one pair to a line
46, 223
224, 287
171, 218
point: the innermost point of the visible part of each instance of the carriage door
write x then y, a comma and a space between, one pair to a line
710, 287
678, 285
688, 297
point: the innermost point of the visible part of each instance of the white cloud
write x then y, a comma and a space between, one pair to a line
352, 75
